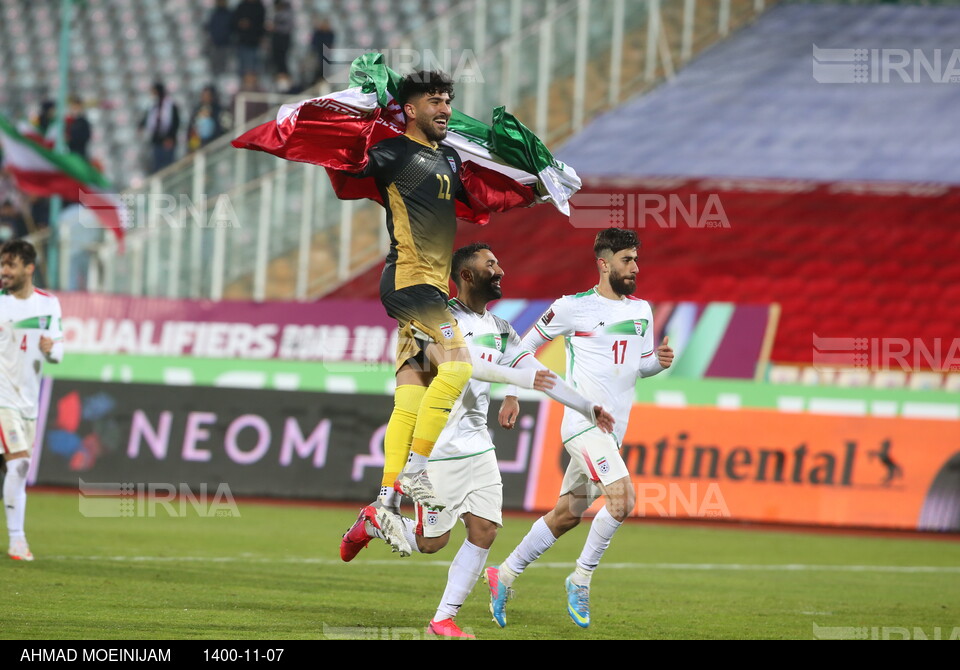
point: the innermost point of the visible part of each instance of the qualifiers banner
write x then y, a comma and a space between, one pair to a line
770, 466
261, 443
329, 330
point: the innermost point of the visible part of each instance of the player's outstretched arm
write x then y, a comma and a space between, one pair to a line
528, 378
565, 394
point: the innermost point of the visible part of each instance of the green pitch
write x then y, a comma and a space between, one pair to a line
274, 572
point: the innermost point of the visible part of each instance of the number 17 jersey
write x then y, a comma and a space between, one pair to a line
609, 344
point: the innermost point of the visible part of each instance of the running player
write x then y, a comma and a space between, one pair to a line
29, 336
463, 464
610, 344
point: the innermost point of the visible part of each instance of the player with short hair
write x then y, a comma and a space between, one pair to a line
30, 335
463, 464
418, 180
610, 344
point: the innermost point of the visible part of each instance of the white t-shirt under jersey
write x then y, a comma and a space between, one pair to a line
609, 344
22, 323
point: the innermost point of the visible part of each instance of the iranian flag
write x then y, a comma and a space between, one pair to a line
40, 171
504, 165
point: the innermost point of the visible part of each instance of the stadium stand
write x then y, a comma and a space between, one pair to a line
751, 107
843, 255
119, 49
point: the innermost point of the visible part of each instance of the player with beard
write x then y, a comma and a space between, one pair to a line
418, 179
610, 345
463, 464
30, 335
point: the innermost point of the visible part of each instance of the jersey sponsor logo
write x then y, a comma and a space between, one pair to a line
446, 329
603, 467
641, 326
547, 317
453, 164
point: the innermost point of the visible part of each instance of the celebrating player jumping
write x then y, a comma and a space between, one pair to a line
463, 464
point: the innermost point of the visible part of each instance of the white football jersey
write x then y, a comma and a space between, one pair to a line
23, 322
609, 344
494, 340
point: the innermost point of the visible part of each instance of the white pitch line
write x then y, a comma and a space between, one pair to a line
729, 567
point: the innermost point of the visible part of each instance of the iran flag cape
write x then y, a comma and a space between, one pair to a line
40, 171
504, 164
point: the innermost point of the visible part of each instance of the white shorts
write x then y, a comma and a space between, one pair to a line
16, 433
594, 459
470, 484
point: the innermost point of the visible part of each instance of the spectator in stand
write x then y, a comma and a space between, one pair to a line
323, 37
161, 124
207, 122
285, 85
8, 189
12, 224
44, 121
36, 209
81, 229
78, 128
281, 36
249, 25
251, 108
219, 28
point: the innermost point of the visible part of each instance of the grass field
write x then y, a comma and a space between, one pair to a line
274, 573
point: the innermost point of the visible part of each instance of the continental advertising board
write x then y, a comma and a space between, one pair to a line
746, 463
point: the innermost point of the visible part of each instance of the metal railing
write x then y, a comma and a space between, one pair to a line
223, 223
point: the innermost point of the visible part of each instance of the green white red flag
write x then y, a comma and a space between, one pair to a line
38, 170
504, 165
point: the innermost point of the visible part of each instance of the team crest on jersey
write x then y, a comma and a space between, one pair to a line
498, 342
547, 317
453, 164
43, 321
433, 517
641, 326
603, 467
447, 330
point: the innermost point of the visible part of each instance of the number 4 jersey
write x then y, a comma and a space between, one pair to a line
609, 344
22, 323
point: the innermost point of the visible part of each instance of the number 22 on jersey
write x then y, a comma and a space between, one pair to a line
445, 191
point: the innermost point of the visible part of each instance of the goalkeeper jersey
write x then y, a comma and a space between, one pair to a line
22, 323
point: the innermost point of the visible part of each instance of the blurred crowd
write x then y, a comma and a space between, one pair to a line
249, 48
249, 40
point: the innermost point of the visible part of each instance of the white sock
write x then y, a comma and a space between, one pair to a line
531, 547
416, 463
372, 530
388, 497
462, 577
601, 532
409, 532
15, 496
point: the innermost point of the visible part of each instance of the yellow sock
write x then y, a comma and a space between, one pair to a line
396, 441
437, 402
